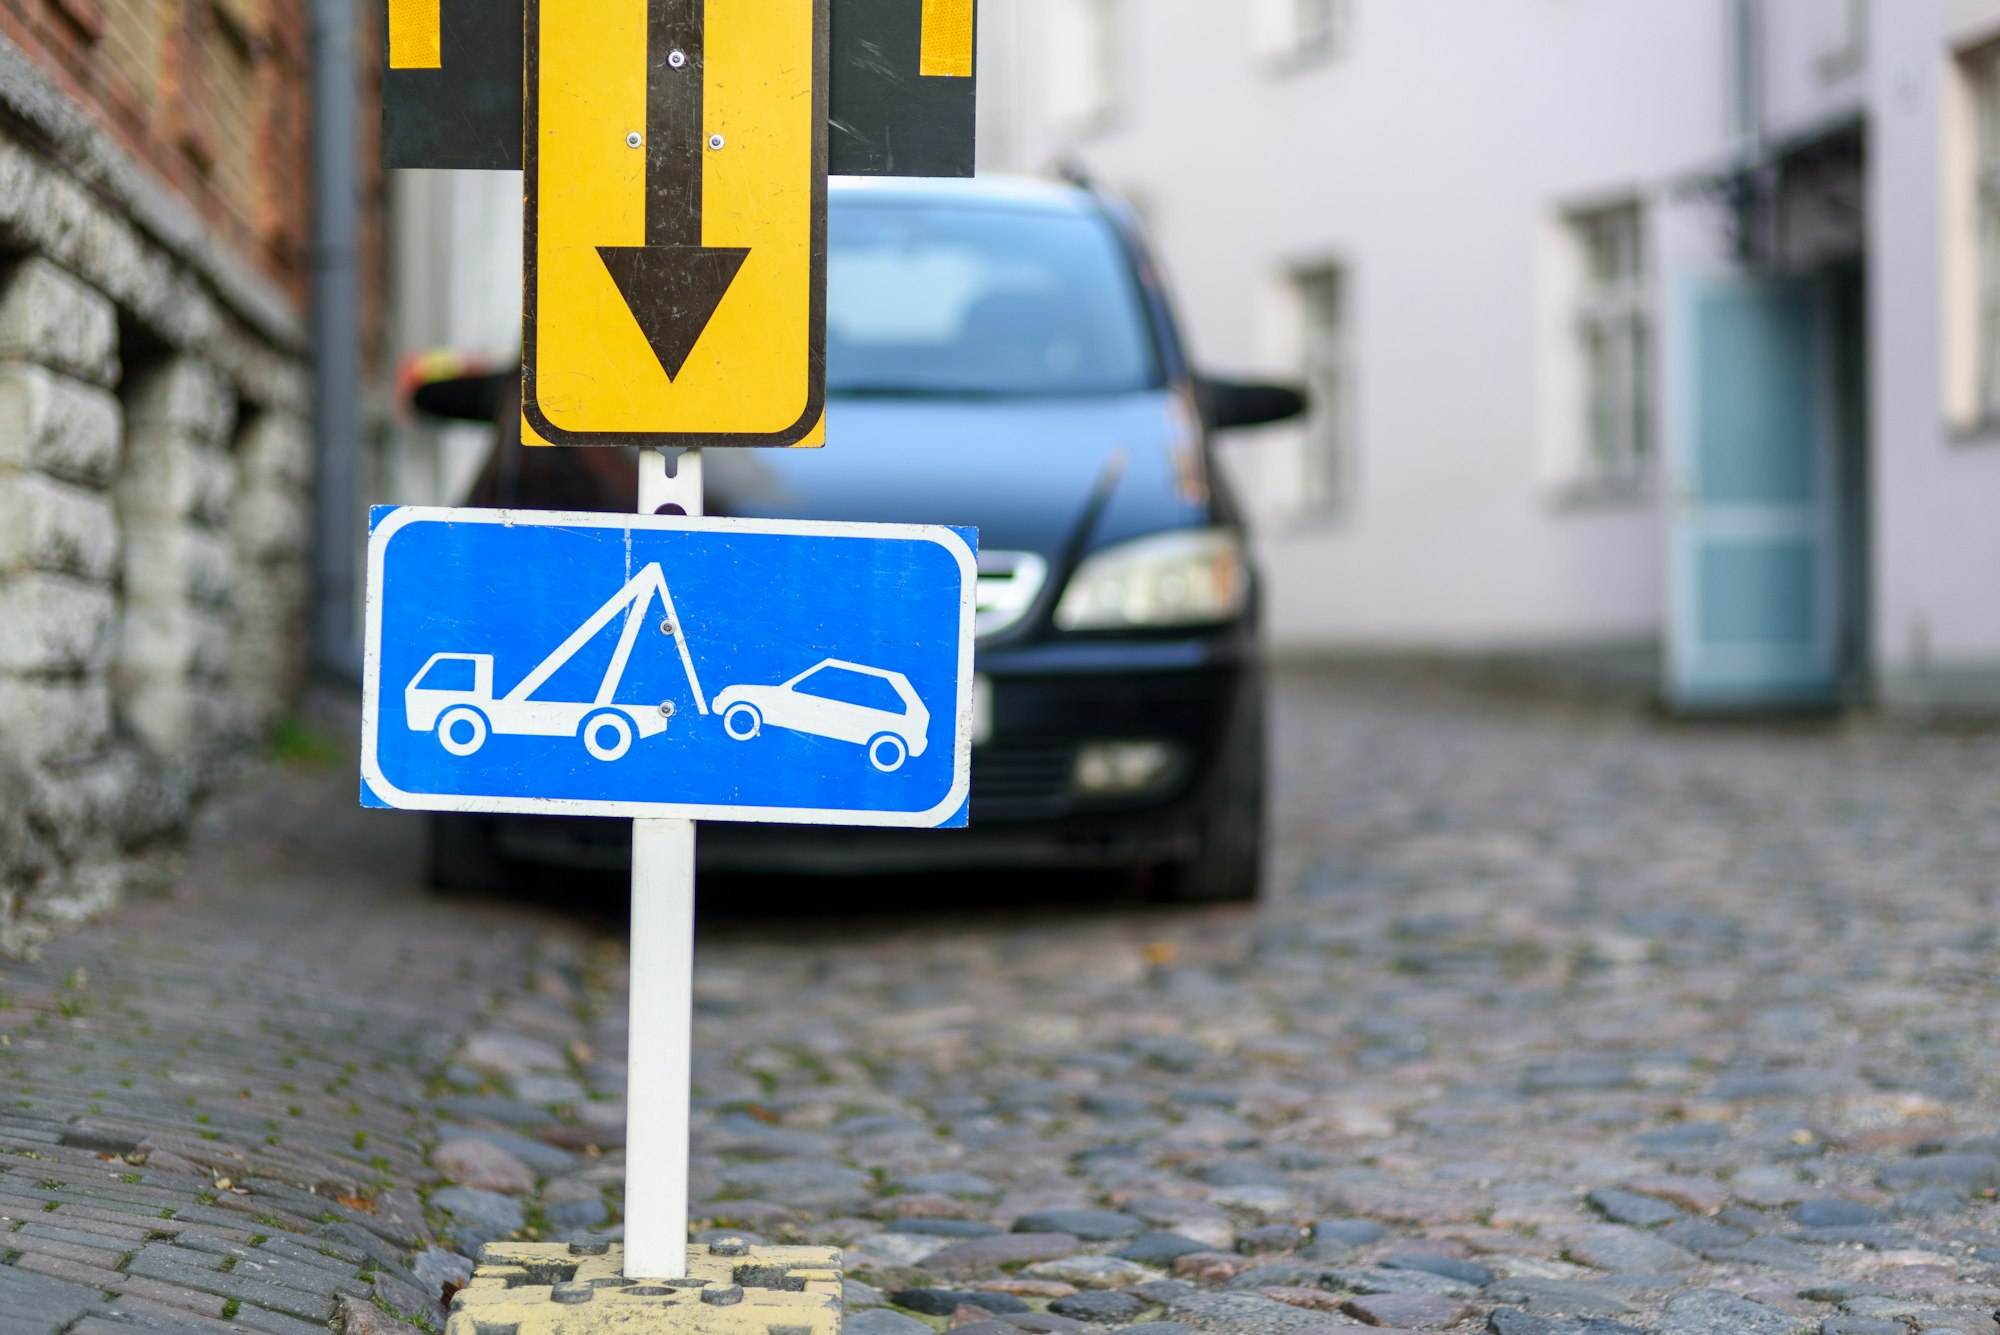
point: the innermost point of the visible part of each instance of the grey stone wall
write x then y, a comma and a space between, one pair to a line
154, 467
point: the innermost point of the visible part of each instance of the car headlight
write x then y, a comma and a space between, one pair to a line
1184, 578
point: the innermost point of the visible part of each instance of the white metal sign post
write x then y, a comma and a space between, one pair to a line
674, 155
648, 666
659, 1083
658, 1087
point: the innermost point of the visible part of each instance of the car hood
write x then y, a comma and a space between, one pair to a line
1025, 473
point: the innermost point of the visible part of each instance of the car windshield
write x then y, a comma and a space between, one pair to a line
926, 299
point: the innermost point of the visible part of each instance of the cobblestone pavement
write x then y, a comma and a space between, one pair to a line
223, 1109
1560, 1021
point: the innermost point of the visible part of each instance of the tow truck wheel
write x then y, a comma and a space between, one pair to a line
462, 730
607, 734
742, 721
887, 751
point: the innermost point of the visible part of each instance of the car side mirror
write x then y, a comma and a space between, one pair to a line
455, 386
466, 398
1231, 403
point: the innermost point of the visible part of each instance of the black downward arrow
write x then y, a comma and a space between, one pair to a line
673, 283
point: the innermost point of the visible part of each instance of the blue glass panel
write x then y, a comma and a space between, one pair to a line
1756, 420
1758, 592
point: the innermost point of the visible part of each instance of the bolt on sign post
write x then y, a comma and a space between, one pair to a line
666, 667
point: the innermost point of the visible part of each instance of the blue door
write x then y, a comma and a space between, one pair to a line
1755, 597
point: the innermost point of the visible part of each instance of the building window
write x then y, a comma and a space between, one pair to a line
1319, 296
1614, 340
1303, 30
1846, 37
1317, 25
1085, 63
1984, 83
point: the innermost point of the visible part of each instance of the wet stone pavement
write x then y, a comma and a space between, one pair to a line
1559, 1020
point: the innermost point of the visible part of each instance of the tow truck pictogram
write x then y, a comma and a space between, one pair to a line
464, 716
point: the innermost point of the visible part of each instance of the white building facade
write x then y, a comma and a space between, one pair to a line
1657, 325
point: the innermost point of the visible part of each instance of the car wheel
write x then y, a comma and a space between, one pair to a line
459, 857
1228, 864
742, 722
607, 734
462, 742
887, 752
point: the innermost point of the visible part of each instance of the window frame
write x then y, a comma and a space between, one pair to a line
1286, 41
1327, 33
1982, 67
1970, 281
1845, 48
1326, 437
1087, 73
1614, 403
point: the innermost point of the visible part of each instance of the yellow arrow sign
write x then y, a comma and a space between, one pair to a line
676, 223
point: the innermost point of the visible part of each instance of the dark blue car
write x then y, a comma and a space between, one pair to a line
1001, 354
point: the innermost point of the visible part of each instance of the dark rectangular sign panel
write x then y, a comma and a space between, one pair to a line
451, 91
901, 103
890, 113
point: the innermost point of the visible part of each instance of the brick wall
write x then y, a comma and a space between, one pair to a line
208, 95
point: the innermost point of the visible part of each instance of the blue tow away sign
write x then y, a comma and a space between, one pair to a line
637, 665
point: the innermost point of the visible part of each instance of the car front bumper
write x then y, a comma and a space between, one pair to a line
1048, 702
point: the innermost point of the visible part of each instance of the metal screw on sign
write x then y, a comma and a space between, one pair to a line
676, 59
634, 139
715, 142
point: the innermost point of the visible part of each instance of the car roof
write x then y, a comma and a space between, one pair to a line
1034, 194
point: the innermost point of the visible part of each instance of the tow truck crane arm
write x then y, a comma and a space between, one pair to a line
631, 600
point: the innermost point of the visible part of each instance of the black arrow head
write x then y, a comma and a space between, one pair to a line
673, 292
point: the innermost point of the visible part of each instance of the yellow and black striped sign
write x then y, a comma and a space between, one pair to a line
901, 95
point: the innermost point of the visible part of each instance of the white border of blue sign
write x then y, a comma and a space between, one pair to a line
371, 670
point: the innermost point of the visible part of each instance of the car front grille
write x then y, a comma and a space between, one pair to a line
1022, 770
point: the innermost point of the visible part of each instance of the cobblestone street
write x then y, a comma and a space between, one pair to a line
1561, 1020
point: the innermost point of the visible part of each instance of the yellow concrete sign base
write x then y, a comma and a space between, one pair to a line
732, 1288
